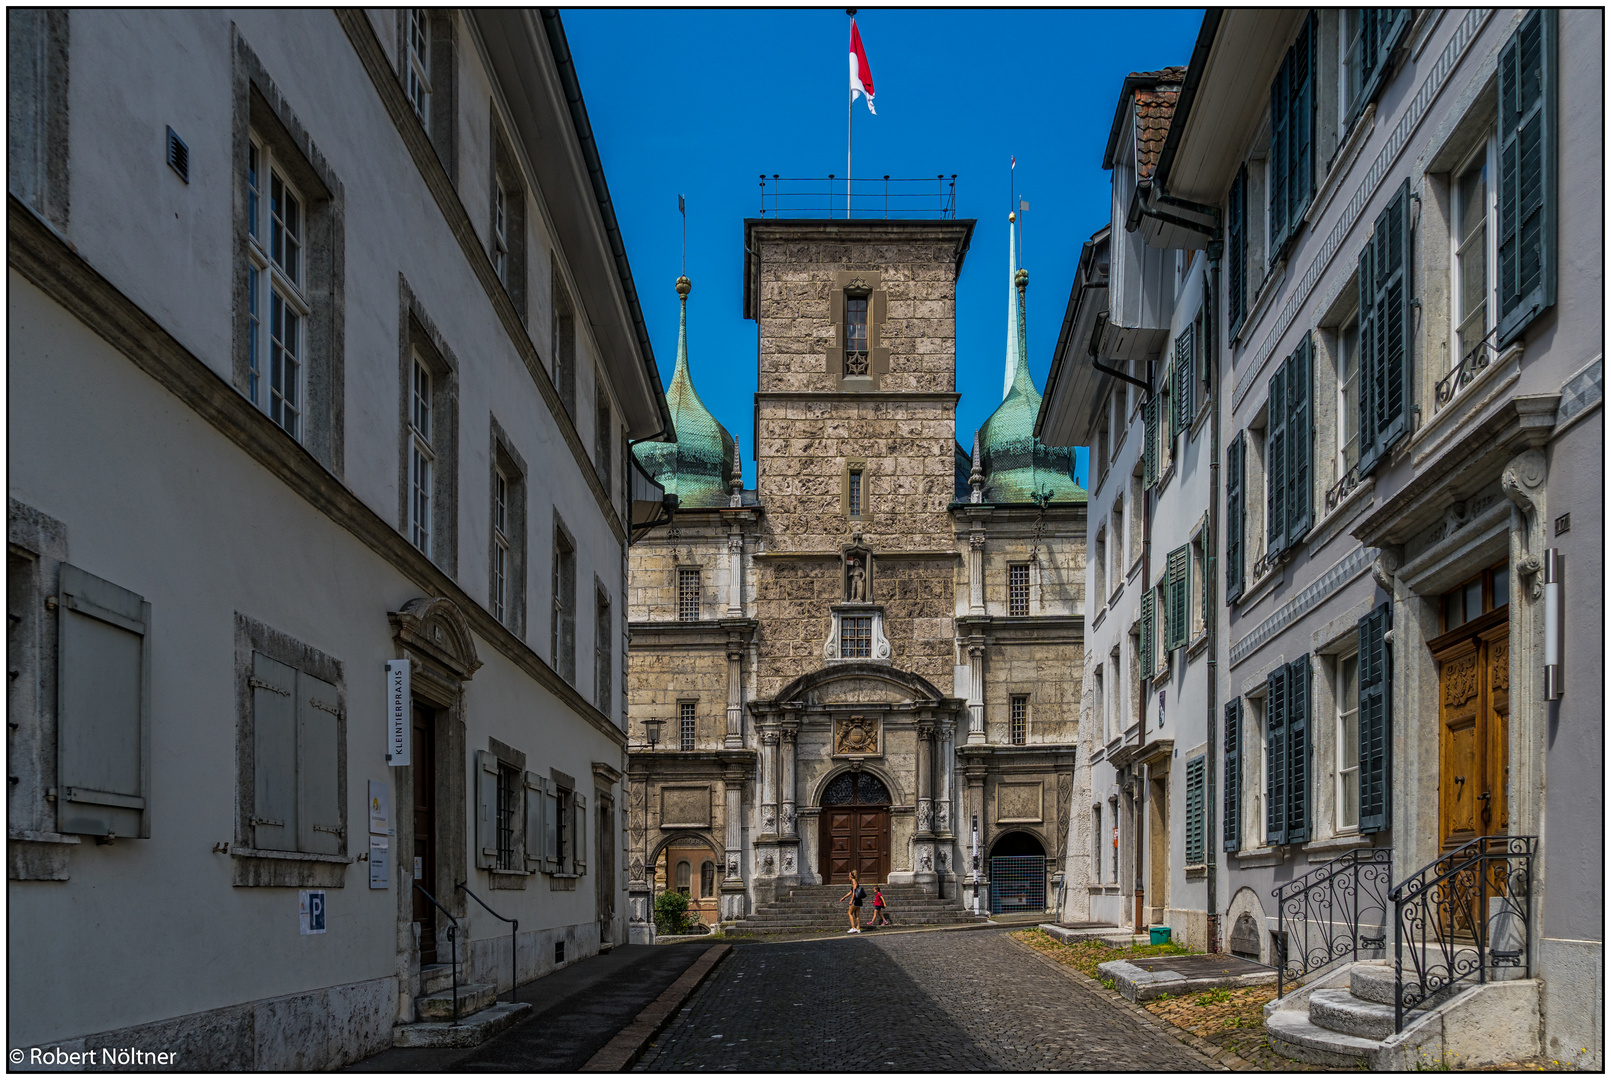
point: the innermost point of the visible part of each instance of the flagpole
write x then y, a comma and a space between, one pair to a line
850, 125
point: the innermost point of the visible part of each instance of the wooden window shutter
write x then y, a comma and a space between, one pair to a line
579, 834
1300, 126
1149, 446
1147, 633
1275, 464
1366, 420
1280, 115
1298, 750
1387, 359
550, 826
1196, 811
1185, 378
1379, 37
318, 772
1176, 622
1527, 148
1236, 243
1235, 514
1275, 758
103, 708
536, 830
1375, 720
1300, 441
1233, 775
486, 809
274, 755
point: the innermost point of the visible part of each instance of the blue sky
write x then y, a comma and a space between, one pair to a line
702, 102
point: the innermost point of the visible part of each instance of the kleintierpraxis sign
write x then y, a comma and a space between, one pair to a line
397, 724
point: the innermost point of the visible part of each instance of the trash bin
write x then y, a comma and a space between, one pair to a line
1160, 935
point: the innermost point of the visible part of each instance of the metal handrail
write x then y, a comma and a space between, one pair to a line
514, 929
1326, 910
453, 939
1473, 363
1444, 910
866, 197
1344, 487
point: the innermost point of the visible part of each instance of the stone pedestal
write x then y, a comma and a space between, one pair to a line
640, 913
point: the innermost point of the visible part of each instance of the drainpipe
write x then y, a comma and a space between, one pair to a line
1211, 308
1140, 801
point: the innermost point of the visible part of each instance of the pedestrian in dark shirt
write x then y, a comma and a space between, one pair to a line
856, 896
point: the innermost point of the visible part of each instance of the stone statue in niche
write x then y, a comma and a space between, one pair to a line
856, 735
941, 858
788, 864
927, 864
766, 865
855, 581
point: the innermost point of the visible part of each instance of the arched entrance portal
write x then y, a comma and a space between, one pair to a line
1017, 874
855, 829
688, 865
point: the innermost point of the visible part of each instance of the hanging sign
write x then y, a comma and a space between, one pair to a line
397, 705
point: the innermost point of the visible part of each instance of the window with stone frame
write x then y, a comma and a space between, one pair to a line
276, 287
510, 790
853, 495
1347, 371
1099, 705
686, 730
1116, 574
1133, 702
603, 650
603, 431
1137, 494
688, 593
1346, 696
507, 550
507, 246
1102, 442
501, 485
1113, 843
858, 358
562, 644
1018, 720
1096, 843
707, 879
428, 466
426, 47
1472, 281
1018, 589
1099, 566
856, 637
421, 459
1113, 720
1198, 597
37, 44
562, 326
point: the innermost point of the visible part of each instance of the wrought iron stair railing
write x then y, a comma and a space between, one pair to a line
1462, 915
1334, 912
514, 938
453, 940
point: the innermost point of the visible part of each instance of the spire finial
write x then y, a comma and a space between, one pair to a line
976, 477
735, 482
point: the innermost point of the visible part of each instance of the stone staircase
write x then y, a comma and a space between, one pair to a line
809, 909
1345, 1019
481, 1014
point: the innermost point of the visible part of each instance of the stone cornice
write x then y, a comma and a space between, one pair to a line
943, 396
43, 256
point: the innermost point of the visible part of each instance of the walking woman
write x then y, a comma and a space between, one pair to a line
856, 895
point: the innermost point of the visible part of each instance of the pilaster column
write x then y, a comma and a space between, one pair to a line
976, 726
925, 778
976, 542
735, 576
640, 893
769, 790
945, 769
733, 890
978, 876
791, 730
735, 693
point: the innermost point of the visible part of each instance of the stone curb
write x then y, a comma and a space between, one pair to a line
1214, 1057
629, 1043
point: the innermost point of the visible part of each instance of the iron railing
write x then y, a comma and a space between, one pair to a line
1017, 883
1472, 364
453, 942
514, 948
1343, 488
1459, 916
866, 197
1333, 912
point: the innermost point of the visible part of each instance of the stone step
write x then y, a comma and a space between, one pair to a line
472, 999
1294, 1035
828, 909
470, 1031
434, 977
769, 925
1373, 981
1341, 1011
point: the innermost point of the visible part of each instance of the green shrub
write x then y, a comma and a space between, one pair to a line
671, 914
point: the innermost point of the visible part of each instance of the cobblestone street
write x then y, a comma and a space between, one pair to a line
906, 1002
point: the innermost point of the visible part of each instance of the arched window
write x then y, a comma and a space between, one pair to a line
707, 880
856, 788
685, 873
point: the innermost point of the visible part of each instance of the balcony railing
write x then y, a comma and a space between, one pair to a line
865, 197
1472, 364
1332, 913
1343, 488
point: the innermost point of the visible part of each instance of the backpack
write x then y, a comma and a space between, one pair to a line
861, 894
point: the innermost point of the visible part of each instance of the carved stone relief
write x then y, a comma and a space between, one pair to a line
1460, 680
856, 735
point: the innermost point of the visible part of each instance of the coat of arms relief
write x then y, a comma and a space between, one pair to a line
856, 735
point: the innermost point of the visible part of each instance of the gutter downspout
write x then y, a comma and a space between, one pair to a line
1216, 248
1141, 799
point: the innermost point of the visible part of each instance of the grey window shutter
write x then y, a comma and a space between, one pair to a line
1147, 633
103, 704
1236, 244
1275, 464
1233, 775
318, 771
1196, 816
274, 757
579, 845
1387, 359
1185, 377
1280, 114
1235, 515
1298, 750
1527, 140
1380, 35
1176, 596
536, 831
486, 809
1300, 126
1149, 446
550, 826
1375, 720
1300, 441
1275, 758
1366, 420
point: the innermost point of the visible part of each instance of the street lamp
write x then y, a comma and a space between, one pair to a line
651, 728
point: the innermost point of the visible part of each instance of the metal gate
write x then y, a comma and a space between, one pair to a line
1017, 883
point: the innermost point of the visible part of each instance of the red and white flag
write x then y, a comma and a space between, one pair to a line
861, 76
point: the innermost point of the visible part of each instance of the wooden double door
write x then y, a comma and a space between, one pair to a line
1474, 730
855, 829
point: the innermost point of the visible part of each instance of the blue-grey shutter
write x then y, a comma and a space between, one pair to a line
1365, 420
1235, 515
274, 724
1233, 775
1300, 126
1275, 758
1275, 464
1176, 596
579, 833
536, 831
551, 798
1196, 816
1379, 36
1280, 117
1375, 719
1236, 253
1184, 374
318, 770
1388, 355
103, 708
486, 809
1298, 750
1147, 634
1149, 447
1300, 441
1527, 140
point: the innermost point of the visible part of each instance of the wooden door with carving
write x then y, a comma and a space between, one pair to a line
1473, 657
855, 829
